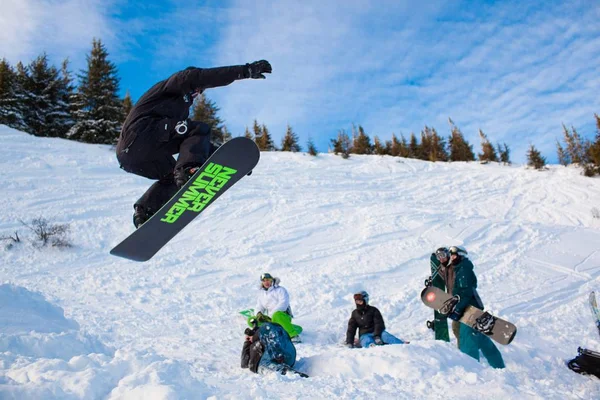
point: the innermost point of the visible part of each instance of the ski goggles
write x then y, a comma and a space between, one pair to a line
266, 277
442, 254
358, 297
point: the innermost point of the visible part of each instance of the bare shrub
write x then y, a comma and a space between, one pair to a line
12, 240
48, 233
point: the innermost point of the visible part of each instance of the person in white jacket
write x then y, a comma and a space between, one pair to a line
273, 304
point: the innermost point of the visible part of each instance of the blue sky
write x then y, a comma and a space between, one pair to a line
515, 69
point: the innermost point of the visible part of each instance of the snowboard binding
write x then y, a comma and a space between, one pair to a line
485, 323
431, 325
449, 305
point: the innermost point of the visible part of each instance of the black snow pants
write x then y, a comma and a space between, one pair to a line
147, 148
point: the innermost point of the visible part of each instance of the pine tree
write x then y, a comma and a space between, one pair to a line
433, 147
257, 132
395, 146
127, 105
342, 144
535, 159
98, 109
45, 98
413, 147
460, 149
488, 153
248, 134
425, 148
379, 148
312, 149
266, 141
503, 153
594, 151
361, 143
206, 110
577, 148
290, 141
438, 147
225, 134
63, 118
403, 148
563, 157
10, 111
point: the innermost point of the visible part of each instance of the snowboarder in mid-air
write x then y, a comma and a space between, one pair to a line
158, 127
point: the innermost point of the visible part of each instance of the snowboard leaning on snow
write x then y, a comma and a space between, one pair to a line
495, 328
226, 166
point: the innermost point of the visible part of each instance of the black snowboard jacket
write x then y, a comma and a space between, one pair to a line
367, 320
168, 101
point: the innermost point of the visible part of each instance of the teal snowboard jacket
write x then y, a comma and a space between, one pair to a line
465, 286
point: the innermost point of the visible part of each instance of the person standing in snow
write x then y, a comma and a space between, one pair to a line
158, 126
442, 277
464, 284
273, 305
369, 322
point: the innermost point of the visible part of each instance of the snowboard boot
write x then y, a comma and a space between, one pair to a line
182, 175
140, 215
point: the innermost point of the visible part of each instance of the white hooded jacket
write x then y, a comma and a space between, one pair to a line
276, 298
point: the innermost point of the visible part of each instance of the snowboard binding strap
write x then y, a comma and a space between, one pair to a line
449, 305
485, 323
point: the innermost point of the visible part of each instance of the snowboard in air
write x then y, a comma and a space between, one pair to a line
495, 328
226, 166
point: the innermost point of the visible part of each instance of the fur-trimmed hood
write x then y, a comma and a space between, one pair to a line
274, 285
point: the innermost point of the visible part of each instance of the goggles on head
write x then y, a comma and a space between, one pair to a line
266, 277
442, 253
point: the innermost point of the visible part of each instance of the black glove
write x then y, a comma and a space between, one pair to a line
378, 341
256, 69
454, 315
260, 317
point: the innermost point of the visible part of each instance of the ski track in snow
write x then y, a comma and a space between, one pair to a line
101, 327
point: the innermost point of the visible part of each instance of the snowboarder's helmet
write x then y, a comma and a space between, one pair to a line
364, 296
442, 253
459, 250
266, 276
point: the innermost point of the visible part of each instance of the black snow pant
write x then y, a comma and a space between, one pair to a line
252, 352
147, 148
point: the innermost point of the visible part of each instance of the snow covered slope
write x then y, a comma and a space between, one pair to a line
79, 323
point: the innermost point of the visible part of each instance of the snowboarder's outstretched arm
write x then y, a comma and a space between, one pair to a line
193, 79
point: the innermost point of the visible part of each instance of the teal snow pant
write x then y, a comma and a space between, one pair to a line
472, 341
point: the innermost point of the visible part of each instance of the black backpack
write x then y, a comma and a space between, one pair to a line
586, 362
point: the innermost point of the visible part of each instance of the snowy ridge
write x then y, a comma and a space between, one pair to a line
328, 227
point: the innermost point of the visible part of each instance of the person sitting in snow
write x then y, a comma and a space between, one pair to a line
369, 322
463, 283
273, 305
268, 348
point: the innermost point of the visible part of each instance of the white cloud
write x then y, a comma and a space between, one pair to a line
515, 70
61, 29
